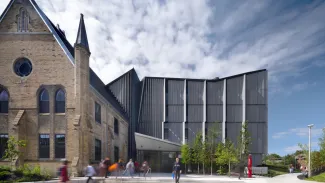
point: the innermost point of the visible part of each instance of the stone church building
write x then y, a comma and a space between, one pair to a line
50, 97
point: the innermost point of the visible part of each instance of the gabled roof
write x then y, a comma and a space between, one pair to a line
56, 33
94, 80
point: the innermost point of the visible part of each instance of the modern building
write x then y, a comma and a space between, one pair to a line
51, 98
173, 110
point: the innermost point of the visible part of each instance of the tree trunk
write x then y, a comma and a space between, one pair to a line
185, 168
229, 168
203, 169
198, 168
211, 166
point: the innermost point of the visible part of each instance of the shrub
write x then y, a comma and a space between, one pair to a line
4, 168
5, 175
25, 173
18, 173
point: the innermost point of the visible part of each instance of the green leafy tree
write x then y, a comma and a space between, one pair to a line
211, 143
12, 151
289, 159
197, 150
226, 154
321, 144
186, 155
205, 155
316, 160
244, 140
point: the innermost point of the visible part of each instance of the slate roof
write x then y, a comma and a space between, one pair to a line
82, 34
94, 80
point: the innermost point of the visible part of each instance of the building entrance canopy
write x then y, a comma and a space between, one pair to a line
145, 142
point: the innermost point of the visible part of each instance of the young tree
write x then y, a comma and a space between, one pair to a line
12, 151
204, 155
226, 154
186, 155
244, 140
197, 150
211, 143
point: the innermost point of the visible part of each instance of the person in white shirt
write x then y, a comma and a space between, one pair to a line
129, 168
90, 172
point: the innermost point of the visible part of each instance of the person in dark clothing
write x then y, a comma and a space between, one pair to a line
107, 164
177, 170
241, 168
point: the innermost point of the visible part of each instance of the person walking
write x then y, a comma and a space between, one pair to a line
129, 168
90, 172
177, 170
120, 166
137, 168
64, 171
107, 164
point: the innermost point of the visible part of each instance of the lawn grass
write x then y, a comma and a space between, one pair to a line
317, 178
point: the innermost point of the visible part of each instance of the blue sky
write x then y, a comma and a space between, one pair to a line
206, 39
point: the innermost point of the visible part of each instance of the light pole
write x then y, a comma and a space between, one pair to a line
309, 158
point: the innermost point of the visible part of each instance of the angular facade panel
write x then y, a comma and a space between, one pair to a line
233, 131
256, 90
175, 113
215, 92
152, 108
194, 92
175, 92
126, 89
175, 132
256, 113
195, 113
235, 90
234, 113
214, 113
215, 127
193, 129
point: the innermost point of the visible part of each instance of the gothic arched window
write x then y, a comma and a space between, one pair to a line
44, 101
22, 20
4, 100
60, 101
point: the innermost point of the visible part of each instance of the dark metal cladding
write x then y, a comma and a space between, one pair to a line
82, 34
256, 112
152, 108
126, 89
215, 101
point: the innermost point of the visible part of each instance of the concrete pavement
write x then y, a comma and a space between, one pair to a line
167, 178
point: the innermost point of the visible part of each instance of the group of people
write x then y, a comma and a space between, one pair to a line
106, 168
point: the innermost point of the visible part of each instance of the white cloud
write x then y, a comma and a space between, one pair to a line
292, 149
190, 38
301, 132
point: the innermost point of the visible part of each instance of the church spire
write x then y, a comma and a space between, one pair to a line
82, 34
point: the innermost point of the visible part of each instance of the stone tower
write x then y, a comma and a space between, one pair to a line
82, 54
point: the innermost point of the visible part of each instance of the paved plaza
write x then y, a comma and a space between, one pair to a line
163, 177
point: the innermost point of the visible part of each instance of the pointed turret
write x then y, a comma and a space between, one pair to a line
82, 39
